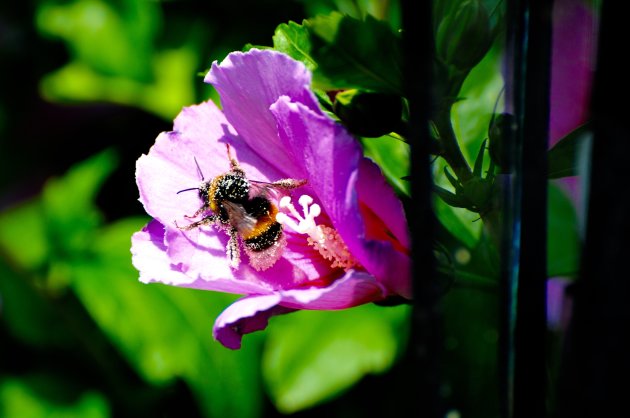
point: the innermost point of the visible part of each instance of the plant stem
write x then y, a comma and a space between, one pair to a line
452, 153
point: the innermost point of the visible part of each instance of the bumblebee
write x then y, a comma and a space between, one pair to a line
243, 209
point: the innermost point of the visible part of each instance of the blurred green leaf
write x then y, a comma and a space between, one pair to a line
113, 38
450, 198
470, 351
392, 156
294, 40
114, 58
563, 157
462, 223
172, 87
61, 222
27, 314
384, 10
40, 238
23, 235
563, 238
480, 97
68, 204
352, 53
311, 356
166, 332
20, 398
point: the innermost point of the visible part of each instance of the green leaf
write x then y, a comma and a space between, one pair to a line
452, 179
27, 314
351, 53
166, 332
294, 40
113, 55
563, 157
113, 38
459, 222
392, 156
68, 203
24, 398
481, 96
449, 198
563, 238
61, 220
171, 88
23, 235
470, 350
311, 356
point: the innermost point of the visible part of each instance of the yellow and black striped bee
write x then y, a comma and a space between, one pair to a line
243, 209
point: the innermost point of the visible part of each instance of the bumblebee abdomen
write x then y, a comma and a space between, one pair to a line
263, 236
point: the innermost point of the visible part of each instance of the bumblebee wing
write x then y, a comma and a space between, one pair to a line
259, 188
239, 218
278, 188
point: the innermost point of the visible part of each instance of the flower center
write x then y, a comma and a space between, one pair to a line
324, 239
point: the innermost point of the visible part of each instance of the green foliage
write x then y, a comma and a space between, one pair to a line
480, 96
32, 398
392, 155
563, 238
356, 54
312, 356
26, 311
163, 332
461, 223
168, 334
114, 56
471, 350
114, 38
345, 52
295, 41
387, 11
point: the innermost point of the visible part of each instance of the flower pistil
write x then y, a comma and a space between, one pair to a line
325, 239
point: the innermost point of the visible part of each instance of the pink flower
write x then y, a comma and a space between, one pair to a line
344, 238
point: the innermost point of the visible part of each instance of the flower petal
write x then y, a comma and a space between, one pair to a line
353, 289
246, 315
201, 133
378, 195
347, 188
150, 257
248, 84
252, 313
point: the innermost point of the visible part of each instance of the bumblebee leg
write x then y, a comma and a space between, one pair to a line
234, 167
210, 219
288, 184
199, 211
232, 251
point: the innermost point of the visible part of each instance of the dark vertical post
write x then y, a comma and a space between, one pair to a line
426, 319
594, 378
532, 109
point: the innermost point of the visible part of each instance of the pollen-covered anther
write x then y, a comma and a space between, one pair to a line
323, 238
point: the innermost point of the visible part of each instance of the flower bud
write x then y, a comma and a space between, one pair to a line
478, 191
369, 114
463, 36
